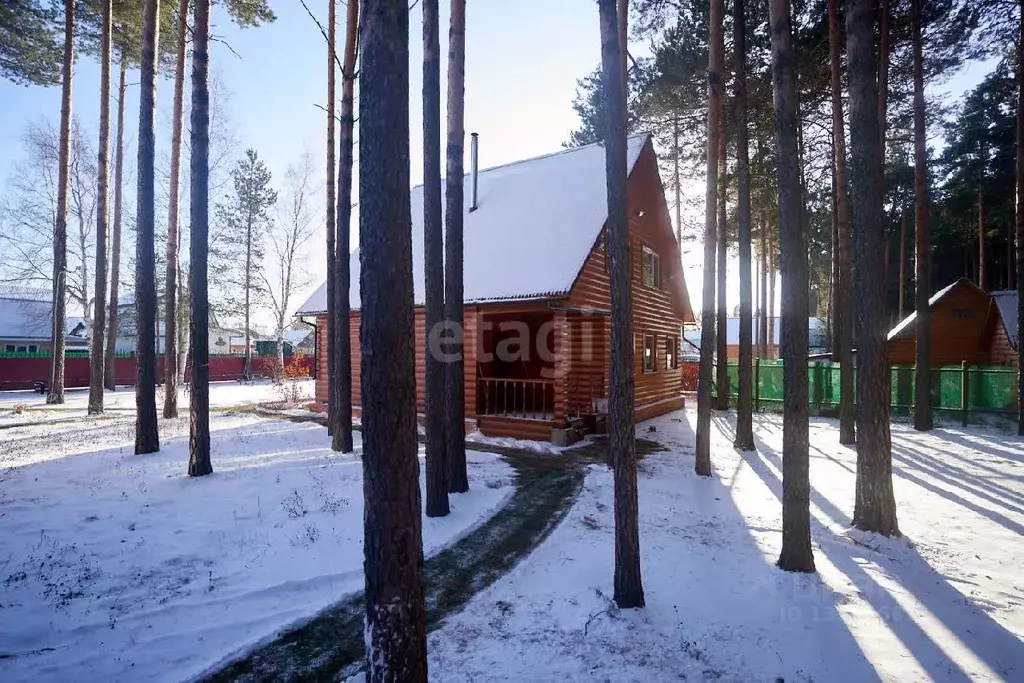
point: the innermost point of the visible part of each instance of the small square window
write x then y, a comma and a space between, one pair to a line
650, 364
9, 348
22, 349
963, 312
32, 348
651, 269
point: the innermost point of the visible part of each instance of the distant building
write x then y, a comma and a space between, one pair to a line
26, 323
817, 337
967, 325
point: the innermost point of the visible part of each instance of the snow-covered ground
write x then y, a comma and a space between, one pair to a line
944, 603
23, 407
115, 566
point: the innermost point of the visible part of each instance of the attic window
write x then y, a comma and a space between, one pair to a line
651, 269
963, 313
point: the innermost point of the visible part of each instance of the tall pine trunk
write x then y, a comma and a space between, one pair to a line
903, 260
875, 506
702, 461
744, 418
331, 229
722, 312
341, 434
1019, 220
982, 257
772, 268
455, 391
796, 491
247, 371
628, 588
395, 627
110, 362
96, 352
147, 439
433, 261
171, 286
678, 185
762, 326
60, 227
922, 244
199, 207
844, 285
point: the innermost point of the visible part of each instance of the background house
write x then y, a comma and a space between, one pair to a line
967, 325
26, 323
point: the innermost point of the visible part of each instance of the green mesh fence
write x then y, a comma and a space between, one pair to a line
990, 389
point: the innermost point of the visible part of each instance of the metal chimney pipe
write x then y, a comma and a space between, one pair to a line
475, 167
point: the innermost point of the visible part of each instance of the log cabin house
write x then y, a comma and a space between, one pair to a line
967, 325
537, 298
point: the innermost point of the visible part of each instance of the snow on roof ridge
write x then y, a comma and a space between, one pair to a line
559, 202
564, 150
908, 321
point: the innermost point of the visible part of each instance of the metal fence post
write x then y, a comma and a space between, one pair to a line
757, 384
963, 391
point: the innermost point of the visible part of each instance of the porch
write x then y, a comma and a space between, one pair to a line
539, 369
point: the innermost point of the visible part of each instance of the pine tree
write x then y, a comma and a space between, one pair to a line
332, 351
395, 627
199, 207
147, 438
796, 490
30, 47
722, 316
702, 463
96, 356
433, 266
60, 228
171, 286
923, 335
342, 430
629, 590
744, 418
455, 396
245, 219
109, 365
875, 506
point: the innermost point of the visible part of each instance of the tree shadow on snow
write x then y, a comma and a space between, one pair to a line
749, 600
992, 643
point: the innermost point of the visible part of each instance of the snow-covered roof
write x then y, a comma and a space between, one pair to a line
28, 319
296, 337
1006, 301
909, 320
816, 328
25, 319
534, 226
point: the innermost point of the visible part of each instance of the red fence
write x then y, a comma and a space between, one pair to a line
24, 372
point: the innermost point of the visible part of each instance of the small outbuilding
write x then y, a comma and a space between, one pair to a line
967, 325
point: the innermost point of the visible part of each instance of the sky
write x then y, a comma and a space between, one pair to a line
522, 63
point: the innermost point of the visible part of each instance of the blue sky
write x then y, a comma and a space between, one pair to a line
522, 62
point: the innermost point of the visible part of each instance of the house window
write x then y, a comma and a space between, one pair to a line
672, 352
963, 312
651, 269
9, 348
32, 348
649, 361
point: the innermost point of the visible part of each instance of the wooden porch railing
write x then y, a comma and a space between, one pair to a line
532, 399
